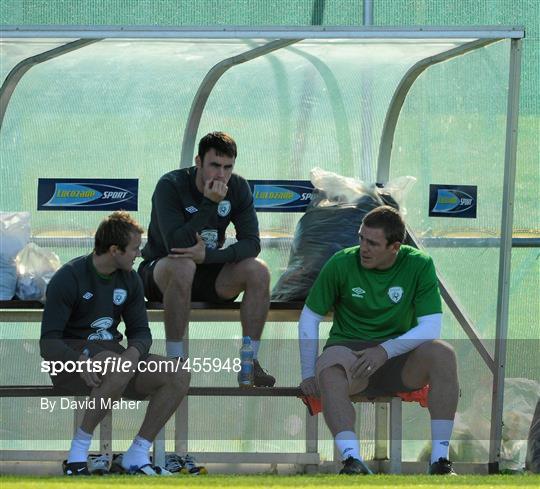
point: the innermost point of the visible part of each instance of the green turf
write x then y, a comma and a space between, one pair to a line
272, 481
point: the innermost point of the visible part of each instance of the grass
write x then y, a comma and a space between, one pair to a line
274, 481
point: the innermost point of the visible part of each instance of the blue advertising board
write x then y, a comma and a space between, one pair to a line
452, 200
281, 195
87, 194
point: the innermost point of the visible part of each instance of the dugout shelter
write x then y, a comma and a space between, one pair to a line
131, 102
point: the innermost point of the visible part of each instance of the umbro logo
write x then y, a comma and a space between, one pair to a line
88, 295
191, 209
358, 292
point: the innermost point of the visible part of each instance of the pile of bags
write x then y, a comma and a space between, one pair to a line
25, 268
330, 224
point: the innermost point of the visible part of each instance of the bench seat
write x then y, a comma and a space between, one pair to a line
31, 311
388, 411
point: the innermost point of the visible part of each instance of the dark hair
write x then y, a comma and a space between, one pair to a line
115, 229
389, 220
220, 141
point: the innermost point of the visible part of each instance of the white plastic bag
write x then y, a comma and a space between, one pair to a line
339, 190
35, 268
14, 234
470, 438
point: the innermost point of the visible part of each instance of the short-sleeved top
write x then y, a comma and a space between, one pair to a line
372, 304
180, 210
83, 305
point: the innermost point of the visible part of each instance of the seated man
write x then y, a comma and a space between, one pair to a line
184, 259
384, 338
86, 300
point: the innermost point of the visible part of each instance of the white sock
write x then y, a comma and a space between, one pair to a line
441, 432
79, 446
137, 454
174, 349
255, 344
348, 445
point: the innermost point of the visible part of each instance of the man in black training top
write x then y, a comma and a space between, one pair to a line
184, 258
86, 300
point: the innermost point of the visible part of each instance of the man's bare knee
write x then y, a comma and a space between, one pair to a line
332, 376
438, 354
256, 272
115, 382
179, 382
103, 355
174, 272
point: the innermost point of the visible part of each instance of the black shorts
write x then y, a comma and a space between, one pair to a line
73, 385
386, 381
203, 288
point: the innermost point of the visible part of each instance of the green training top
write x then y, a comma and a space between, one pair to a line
375, 304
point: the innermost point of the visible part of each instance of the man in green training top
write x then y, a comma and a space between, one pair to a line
384, 338
184, 259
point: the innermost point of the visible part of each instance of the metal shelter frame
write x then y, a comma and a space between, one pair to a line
282, 37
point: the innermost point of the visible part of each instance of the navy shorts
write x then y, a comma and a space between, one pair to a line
386, 381
203, 288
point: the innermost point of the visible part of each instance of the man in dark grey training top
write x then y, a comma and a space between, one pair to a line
184, 258
86, 300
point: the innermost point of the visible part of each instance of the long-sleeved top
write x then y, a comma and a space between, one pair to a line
84, 305
179, 211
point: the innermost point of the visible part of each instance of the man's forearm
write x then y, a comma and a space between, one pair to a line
56, 349
428, 329
142, 345
245, 248
308, 340
137, 330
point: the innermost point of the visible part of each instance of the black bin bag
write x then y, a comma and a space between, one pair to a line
330, 224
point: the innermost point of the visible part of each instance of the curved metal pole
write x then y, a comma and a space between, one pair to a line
19, 70
394, 109
343, 136
206, 86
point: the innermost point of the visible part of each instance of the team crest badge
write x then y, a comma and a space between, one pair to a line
224, 207
210, 238
395, 294
101, 326
119, 296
